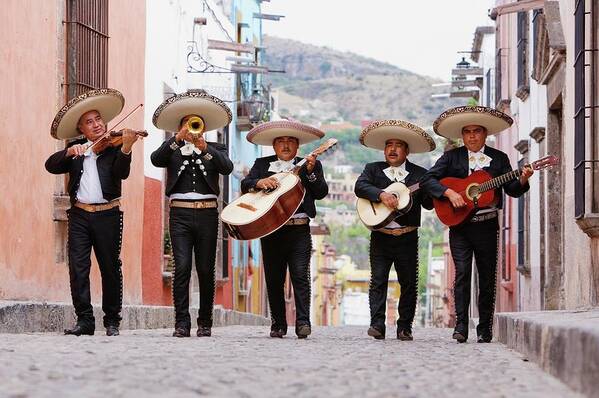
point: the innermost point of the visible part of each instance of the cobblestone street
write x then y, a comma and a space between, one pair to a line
242, 361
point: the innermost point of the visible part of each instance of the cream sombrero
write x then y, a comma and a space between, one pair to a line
450, 123
216, 113
107, 101
265, 133
376, 134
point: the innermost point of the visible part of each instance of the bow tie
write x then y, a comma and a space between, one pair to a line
396, 173
279, 166
189, 148
478, 160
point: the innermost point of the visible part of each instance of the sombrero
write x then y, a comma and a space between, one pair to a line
107, 101
376, 134
265, 133
216, 113
450, 123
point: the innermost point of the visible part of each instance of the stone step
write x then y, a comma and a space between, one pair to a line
563, 343
32, 317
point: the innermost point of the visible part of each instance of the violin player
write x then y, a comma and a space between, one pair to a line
94, 219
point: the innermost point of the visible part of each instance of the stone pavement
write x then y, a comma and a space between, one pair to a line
241, 361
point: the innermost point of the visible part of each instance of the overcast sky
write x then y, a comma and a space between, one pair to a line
422, 36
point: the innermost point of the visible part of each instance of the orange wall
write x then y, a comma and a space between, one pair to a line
32, 74
155, 291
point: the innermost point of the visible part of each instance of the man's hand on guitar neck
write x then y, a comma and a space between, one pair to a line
455, 198
527, 171
310, 163
267, 183
389, 200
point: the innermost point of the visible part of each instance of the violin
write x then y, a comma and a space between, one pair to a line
115, 138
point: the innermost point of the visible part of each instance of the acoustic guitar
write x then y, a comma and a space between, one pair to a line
478, 191
257, 214
376, 215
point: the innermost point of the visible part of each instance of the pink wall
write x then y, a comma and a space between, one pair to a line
32, 62
126, 52
31, 95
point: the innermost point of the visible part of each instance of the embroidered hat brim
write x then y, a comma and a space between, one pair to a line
265, 133
107, 101
376, 134
451, 122
215, 112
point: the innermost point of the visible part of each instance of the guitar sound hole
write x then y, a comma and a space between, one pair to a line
474, 191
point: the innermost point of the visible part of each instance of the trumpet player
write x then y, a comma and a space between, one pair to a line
194, 166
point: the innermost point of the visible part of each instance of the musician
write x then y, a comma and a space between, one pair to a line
94, 219
291, 245
478, 236
397, 242
194, 167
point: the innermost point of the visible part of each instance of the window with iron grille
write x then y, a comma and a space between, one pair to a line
579, 109
540, 41
87, 45
522, 51
523, 222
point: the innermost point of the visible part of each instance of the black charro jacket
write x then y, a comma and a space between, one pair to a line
373, 180
215, 159
113, 167
454, 163
314, 190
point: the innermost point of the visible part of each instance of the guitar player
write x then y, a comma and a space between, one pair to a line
397, 242
291, 245
478, 236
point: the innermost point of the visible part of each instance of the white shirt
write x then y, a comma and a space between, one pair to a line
192, 196
90, 190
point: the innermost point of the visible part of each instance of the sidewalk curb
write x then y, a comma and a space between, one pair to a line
563, 343
33, 317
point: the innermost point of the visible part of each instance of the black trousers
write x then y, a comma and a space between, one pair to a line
103, 231
193, 231
478, 239
290, 245
402, 252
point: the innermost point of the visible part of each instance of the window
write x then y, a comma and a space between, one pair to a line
522, 51
87, 46
579, 109
523, 222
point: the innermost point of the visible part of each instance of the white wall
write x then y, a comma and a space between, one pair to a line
169, 29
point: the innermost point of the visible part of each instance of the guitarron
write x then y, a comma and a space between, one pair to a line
257, 214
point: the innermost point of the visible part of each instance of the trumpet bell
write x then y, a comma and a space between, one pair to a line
195, 125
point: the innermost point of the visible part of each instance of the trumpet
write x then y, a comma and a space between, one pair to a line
195, 125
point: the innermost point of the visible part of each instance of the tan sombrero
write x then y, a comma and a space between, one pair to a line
450, 123
215, 112
265, 133
107, 101
376, 134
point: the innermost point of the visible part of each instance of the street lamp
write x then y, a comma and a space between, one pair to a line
256, 106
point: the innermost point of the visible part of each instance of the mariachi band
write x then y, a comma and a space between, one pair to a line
465, 187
